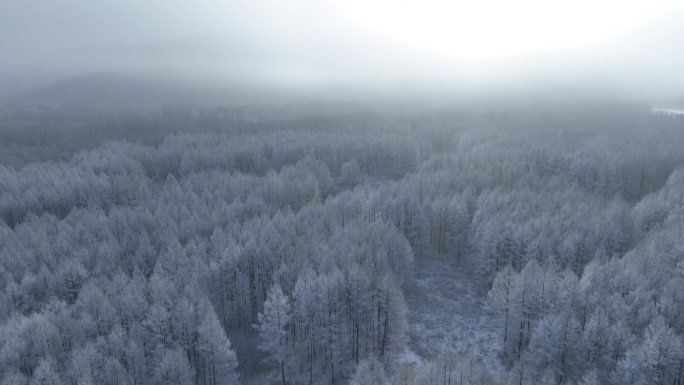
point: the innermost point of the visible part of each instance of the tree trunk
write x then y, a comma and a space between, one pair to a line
282, 371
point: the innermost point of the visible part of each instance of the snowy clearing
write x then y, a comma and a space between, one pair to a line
447, 310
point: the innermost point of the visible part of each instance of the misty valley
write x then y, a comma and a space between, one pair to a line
342, 244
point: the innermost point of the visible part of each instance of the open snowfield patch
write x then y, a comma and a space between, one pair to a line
448, 311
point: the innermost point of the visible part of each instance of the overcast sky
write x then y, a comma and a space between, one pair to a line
624, 46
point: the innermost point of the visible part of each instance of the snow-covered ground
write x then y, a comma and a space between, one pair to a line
447, 310
667, 111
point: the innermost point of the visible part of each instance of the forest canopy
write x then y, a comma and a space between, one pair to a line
226, 246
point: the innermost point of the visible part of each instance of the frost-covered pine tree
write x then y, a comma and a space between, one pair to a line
46, 373
369, 372
219, 360
501, 295
272, 327
173, 369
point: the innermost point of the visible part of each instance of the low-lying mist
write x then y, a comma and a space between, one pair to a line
158, 53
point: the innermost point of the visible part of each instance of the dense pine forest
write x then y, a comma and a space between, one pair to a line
341, 245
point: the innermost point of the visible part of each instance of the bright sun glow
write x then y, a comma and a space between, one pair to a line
481, 29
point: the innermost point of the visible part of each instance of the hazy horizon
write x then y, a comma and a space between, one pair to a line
627, 50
